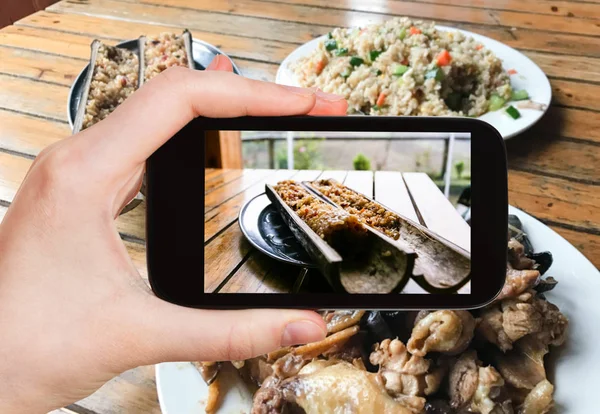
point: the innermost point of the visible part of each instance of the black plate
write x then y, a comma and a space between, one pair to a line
264, 228
204, 53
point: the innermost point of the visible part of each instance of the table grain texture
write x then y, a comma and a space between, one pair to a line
554, 167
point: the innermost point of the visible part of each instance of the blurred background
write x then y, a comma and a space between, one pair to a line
446, 158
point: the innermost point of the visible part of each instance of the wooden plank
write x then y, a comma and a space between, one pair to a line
228, 175
192, 19
227, 212
53, 42
77, 46
333, 175
586, 243
27, 134
567, 66
572, 123
34, 98
304, 11
223, 149
576, 94
391, 191
260, 274
39, 66
229, 190
555, 199
12, 173
223, 255
77, 32
307, 175
545, 154
439, 214
553, 7
361, 181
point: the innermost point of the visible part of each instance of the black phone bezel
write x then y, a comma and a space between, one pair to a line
175, 225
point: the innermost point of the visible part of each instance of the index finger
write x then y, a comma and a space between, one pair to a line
159, 109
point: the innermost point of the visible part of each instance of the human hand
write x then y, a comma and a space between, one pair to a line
74, 312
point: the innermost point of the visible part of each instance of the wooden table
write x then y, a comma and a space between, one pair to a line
553, 175
233, 266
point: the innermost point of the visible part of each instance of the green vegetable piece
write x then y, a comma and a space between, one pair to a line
453, 100
331, 44
402, 34
437, 74
341, 51
329, 35
496, 102
374, 54
513, 112
519, 95
378, 72
376, 107
400, 70
356, 61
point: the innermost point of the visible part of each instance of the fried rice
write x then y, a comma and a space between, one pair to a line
406, 67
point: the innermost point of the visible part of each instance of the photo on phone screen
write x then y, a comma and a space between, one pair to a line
352, 212
330, 212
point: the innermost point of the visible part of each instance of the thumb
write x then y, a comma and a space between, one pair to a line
175, 333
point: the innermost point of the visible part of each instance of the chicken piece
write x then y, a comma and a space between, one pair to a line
322, 387
520, 319
516, 256
257, 370
523, 367
488, 388
463, 379
506, 322
445, 331
539, 400
327, 386
517, 282
473, 388
340, 320
405, 374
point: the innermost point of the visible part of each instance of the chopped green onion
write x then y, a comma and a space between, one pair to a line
378, 72
329, 35
356, 61
400, 70
519, 95
331, 44
453, 100
374, 54
346, 72
437, 74
402, 34
513, 112
496, 102
341, 52
376, 107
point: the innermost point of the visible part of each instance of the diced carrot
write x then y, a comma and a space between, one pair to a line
479, 47
414, 30
320, 66
380, 99
444, 58
511, 72
405, 61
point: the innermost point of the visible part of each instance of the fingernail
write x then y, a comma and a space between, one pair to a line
214, 63
329, 96
302, 332
300, 91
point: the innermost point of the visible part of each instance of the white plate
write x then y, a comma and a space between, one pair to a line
181, 390
529, 77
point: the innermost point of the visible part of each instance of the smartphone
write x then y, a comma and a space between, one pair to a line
385, 229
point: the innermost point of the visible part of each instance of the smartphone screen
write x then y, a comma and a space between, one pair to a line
325, 217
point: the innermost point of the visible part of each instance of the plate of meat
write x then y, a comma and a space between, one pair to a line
529, 352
